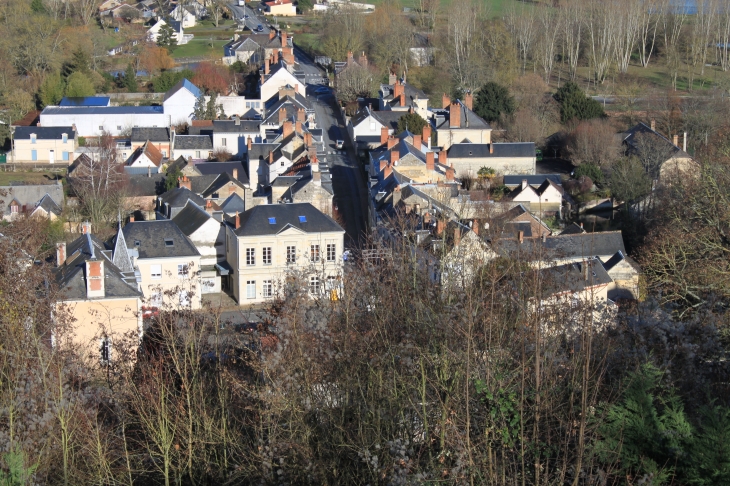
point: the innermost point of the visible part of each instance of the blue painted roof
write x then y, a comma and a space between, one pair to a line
101, 110
184, 83
86, 101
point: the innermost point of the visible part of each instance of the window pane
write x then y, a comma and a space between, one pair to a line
314, 253
268, 289
267, 255
291, 254
251, 289
331, 252
156, 271
250, 256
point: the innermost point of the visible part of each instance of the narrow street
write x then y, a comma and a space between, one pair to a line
347, 178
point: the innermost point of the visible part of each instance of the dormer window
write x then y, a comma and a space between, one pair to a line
32, 138
137, 243
169, 242
64, 137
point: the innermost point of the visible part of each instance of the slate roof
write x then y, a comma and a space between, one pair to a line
467, 115
565, 246
191, 218
30, 195
102, 110
220, 181
261, 150
193, 142
533, 180
179, 196
44, 133
141, 185
234, 203
571, 277
230, 126
501, 150
410, 91
614, 260
71, 279
85, 101
573, 229
151, 236
255, 221
199, 184
210, 168
49, 205
153, 134
672, 150
183, 83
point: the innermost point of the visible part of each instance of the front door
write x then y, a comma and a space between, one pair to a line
51, 156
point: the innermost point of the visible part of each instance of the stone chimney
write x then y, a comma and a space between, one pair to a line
457, 235
392, 78
442, 157
469, 100
86, 228
675, 140
60, 253
653, 125
524, 184
287, 129
236, 120
235, 174
184, 182
427, 135
266, 66
491, 148
95, 278
450, 173
363, 60
417, 142
392, 142
520, 236
454, 115
249, 143
284, 40
237, 221
350, 58
430, 163
684, 143
384, 135
394, 156
445, 101
317, 178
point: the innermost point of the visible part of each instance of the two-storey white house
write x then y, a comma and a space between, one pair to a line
268, 243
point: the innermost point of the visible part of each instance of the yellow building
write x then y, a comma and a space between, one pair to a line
102, 303
45, 145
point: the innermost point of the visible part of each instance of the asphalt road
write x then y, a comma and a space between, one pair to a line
253, 20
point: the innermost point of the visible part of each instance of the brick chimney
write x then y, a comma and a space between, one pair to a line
386, 173
398, 90
524, 184
315, 164
282, 114
266, 66
417, 142
235, 174
271, 157
237, 221
427, 135
445, 101
454, 115
440, 226
363, 60
392, 142
131, 218
85, 227
287, 129
95, 278
275, 58
288, 55
675, 140
184, 182
383, 165
284, 40
520, 236
469, 100
491, 148
308, 139
298, 127
272, 34
60, 253
402, 99
350, 58
384, 135
301, 115
457, 235
442, 157
394, 156
430, 163
450, 173
209, 206
249, 142
653, 125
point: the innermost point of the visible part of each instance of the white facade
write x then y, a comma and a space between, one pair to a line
239, 105
179, 106
278, 80
115, 120
368, 127
234, 142
181, 14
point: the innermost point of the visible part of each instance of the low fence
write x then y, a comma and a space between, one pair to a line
36, 166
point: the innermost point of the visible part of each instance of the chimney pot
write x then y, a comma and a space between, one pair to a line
131, 218
417, 142
442, 157
455, 115
426, 134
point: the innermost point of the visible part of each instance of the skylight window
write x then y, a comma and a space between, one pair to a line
137, 243
272, 220
302, 219
169, 242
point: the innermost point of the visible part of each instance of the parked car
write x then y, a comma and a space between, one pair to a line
260, 28
538, 155
339, 144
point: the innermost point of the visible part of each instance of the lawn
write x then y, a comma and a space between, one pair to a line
200, 47
27, 177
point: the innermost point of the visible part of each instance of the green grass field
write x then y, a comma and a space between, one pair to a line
28, 177
200, 47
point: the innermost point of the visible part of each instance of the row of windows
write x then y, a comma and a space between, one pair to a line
51, 155
267, 288
291, 254
34, 138
156, 271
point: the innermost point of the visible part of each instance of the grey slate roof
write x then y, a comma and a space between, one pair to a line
230, 126
672, 150
533, 180
564, 246
207, 168
614, 260
151, 236
191, 218
199, 184
153, 134
467, 119
179, 196
44, 133
30, 195
218, 183
574, 277
255, 221
573, 229
71, 279
141, 185
501, 150
193, 142
49, 205
234, 203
